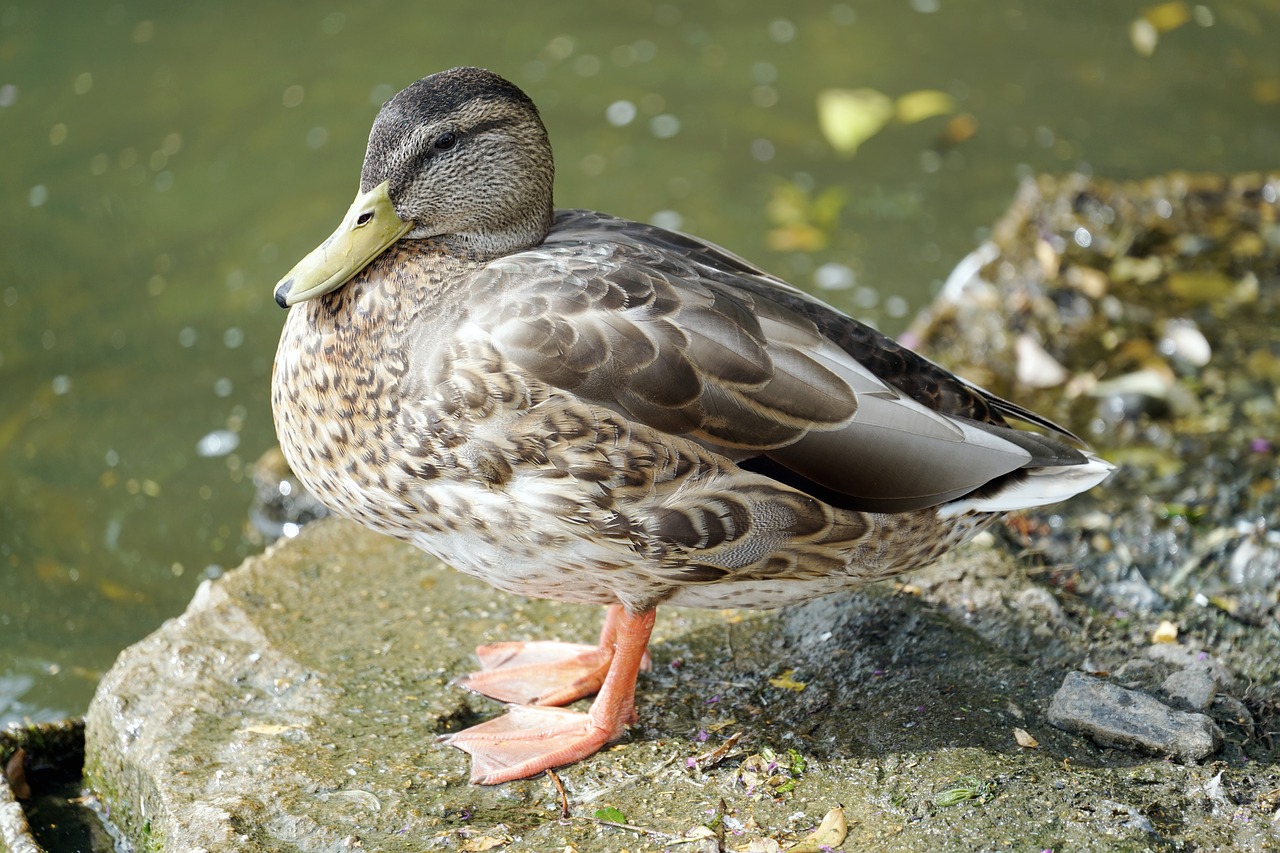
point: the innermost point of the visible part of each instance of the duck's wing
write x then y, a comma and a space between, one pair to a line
689, 339
908, 371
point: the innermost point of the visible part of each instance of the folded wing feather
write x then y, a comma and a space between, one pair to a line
687, 338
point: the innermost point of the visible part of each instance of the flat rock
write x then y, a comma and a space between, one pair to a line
1117, 716
295, 705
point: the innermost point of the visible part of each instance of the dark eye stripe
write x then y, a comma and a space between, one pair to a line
486, 126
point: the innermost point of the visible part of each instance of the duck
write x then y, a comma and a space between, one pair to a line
570, 405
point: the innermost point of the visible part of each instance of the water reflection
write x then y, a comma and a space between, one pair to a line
167, 162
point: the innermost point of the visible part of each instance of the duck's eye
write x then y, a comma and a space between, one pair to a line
445, 141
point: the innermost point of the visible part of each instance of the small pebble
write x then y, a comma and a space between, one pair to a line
1184, 657
1190, 688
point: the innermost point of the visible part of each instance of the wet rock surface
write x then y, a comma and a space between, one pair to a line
1113, 715
294, 706
1189, 688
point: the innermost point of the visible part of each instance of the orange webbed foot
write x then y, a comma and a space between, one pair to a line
529, 739
539, 673
545, 672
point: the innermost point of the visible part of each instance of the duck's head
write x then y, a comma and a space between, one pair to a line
461, 155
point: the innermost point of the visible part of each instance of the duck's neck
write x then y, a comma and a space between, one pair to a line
494, 241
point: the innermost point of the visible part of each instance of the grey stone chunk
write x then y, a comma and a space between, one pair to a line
1138, 673
1112, 715
1184, 657
1193, 688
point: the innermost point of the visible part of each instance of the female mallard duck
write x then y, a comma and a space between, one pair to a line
573, 406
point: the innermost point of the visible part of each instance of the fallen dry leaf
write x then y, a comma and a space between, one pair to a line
1166, 632
15, 771
712, 757
830, 833
786, 682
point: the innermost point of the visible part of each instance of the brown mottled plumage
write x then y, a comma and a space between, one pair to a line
573, 406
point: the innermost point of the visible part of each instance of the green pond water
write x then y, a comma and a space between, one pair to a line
164, 164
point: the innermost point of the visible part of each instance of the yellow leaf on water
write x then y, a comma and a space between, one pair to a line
803, 221
1167, 16
786, 682
1265, 92
118, 592
924, 103
788, 204
800, 237
849, 117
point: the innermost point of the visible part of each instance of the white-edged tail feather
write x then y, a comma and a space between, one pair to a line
1039, 487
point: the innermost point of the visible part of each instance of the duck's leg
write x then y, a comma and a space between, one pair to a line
529, 739
544, 672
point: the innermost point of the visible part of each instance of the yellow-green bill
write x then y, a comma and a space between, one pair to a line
370, 226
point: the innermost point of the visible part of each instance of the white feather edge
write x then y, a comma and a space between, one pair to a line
1041, 486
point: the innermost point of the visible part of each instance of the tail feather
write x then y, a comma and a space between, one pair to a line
1031, 487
